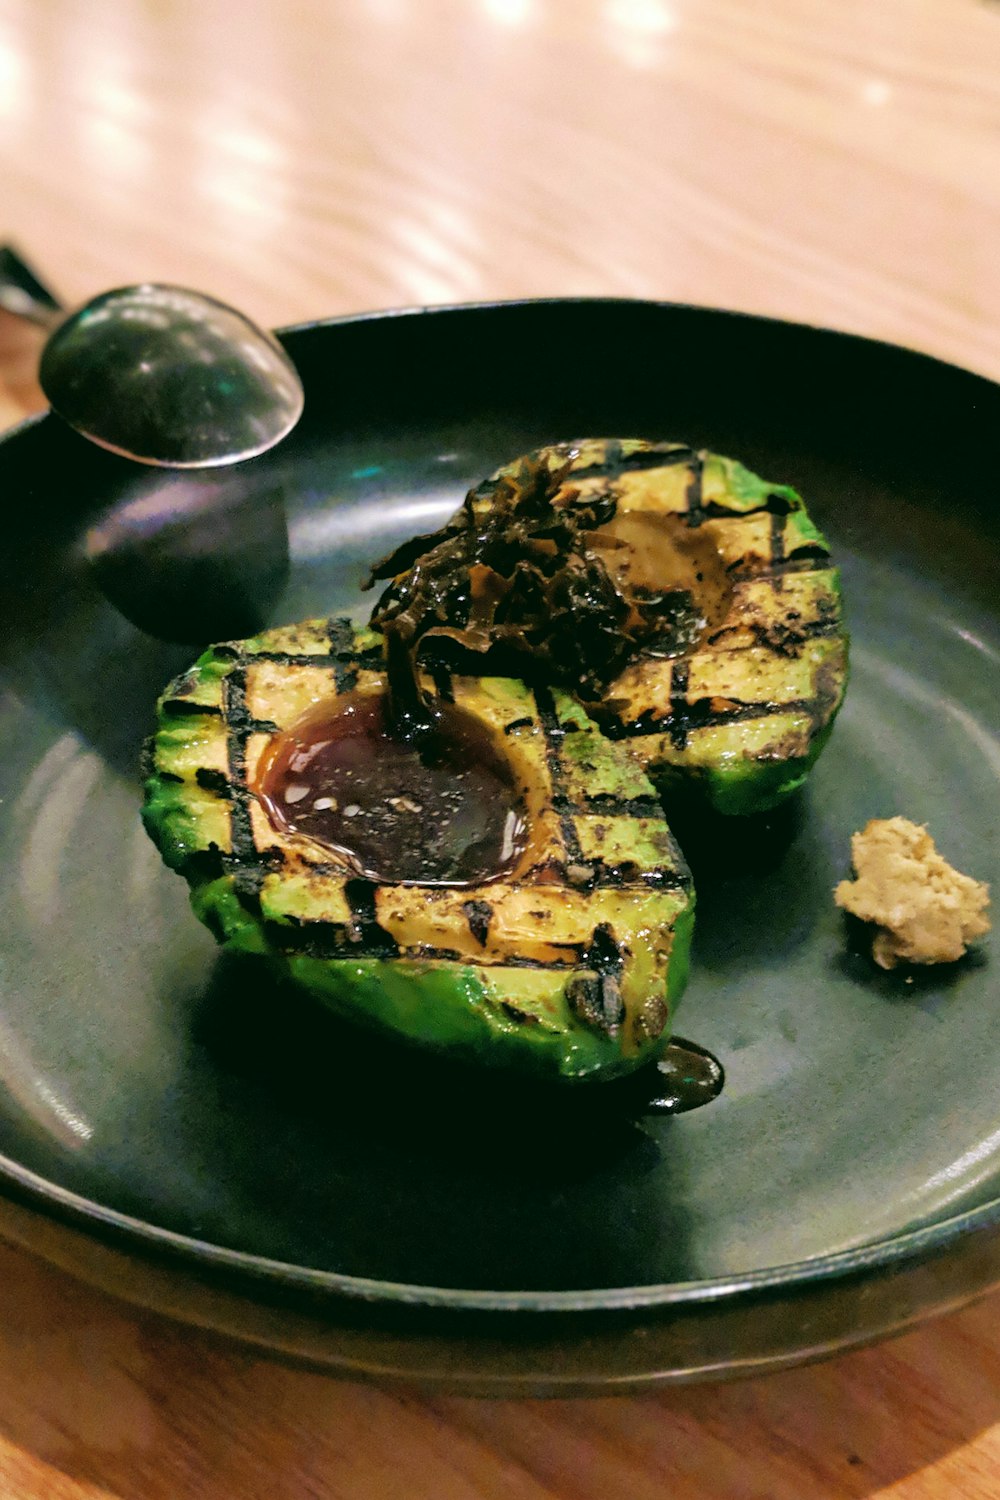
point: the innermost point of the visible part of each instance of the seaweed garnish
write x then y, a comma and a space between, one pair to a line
514, 579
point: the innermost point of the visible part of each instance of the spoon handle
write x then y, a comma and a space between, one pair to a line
23, 293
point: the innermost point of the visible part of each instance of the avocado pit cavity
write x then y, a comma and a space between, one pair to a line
671, 574
439, 808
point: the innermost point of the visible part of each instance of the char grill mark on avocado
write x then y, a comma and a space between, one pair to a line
242, 861
677, 720
695, 508
367, 932
564, 807
478, 914
178, 707
616, 463
596, 995
683, 716
345, 667
777, 551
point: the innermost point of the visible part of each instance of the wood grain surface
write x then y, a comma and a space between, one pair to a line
834, 163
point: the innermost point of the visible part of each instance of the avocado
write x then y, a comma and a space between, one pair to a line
566, 966
691, 606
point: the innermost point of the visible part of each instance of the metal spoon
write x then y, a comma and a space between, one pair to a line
159, 374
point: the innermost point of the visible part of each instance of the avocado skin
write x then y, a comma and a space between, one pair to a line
446, 1007
740, 787
514, 1010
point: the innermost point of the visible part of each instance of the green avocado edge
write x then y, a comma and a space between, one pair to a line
445, 1008
743, 788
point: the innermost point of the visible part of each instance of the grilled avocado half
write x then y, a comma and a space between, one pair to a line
691, 606
568, 966
739, 714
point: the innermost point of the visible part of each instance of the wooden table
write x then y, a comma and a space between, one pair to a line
833, 163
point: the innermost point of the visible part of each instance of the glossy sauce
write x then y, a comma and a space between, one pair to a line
672, 572
685, 1077
441, 808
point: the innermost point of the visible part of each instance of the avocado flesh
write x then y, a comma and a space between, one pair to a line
566, 967
739, 719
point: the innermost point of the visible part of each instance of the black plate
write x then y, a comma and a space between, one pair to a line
192, 1138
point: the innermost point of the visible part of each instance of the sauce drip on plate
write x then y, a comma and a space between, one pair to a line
685, 1077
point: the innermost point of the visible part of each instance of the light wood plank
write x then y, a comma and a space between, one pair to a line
834, 163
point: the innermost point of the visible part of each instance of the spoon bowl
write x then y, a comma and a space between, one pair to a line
158, 374
170, 377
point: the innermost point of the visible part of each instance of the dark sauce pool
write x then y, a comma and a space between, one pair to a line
440, 808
